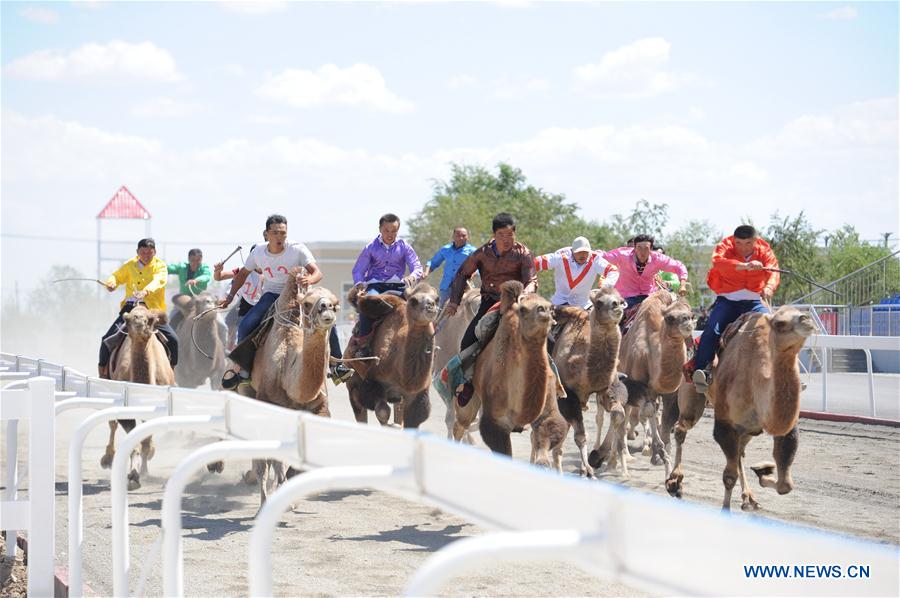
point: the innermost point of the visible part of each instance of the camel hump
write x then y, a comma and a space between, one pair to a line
735, 327
376, 307
568, 313
509, 293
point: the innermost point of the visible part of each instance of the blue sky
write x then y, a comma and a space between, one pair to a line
217, 114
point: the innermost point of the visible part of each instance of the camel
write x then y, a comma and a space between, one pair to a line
140, 358
653, 352
194, 367
755, 389
290, 364
548, 432
511, 372
446, 345
586, 354
622, 394
403, 343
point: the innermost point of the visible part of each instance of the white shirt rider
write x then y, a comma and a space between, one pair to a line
276, 268
574, 281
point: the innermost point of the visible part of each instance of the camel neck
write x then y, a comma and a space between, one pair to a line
418, 354
315, 354
603, 353
140, 361
786, 387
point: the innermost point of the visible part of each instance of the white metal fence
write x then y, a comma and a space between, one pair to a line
644, 541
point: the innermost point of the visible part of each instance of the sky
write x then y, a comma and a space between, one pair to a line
217, 114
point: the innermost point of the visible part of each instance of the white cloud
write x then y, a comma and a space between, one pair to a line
254, 7
461, 81
506, 88
165, 108
40, 15
115, 59
359, 85
632, 71
263, 119
845, 13
234, 69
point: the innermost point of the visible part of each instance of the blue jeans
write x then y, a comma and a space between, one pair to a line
256, 314
632, 301
376, 288
724, 312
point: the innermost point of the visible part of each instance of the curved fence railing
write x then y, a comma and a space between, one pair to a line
604, 529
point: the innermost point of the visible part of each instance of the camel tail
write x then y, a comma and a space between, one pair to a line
496, 437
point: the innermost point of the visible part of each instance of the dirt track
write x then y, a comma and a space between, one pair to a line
366, 543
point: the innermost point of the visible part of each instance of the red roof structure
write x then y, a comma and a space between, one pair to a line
124, 205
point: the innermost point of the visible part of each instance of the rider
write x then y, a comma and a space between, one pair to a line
275, 260
144, 277
380, 268
743, 279
249, 294
499, 260
454, 254
638, 267
193, 277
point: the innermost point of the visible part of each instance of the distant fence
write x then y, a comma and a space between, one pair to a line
647, 542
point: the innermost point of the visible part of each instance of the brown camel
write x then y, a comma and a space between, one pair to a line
622, 393
511, 372
447, 341
548, 432
586, 354
653, 352
290, 364
755, 389
403, 342
194, 368
140, 358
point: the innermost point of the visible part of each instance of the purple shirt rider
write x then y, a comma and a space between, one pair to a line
386, 263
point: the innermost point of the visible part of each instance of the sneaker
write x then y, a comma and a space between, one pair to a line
465, 395
701, 380
231, 379
340, 373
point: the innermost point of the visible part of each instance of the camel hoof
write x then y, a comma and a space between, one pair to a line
249, 478
647, 452
749, 504
134, 481
673, 485
106, 460
217, 467
656, 459
764, 471
594, 459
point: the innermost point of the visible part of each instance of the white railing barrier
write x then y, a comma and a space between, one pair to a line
602, 520
37, 514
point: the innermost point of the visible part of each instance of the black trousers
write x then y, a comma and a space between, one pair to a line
469, 337
334, 344
167, 331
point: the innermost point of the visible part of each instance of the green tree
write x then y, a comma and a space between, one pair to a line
794, 241
473, 196
645, 218
692, 244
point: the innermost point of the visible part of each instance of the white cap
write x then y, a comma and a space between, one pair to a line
581, 245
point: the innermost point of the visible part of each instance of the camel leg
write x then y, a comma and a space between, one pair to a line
398, 414
748, 501
147, 453
359, 410
463, 417
416, 410
383, 412
728, 440
570, 408
784, 451
261, 467
601, 412
601, 455
621, 445
633, 421
495, 436
690, 409
659, 449
107, 458
668, 418
540, 446
215, 467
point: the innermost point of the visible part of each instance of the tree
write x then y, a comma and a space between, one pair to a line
692, 244
473, 196
794, 241
645, 218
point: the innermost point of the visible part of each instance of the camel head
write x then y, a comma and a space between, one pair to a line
204, 302
679, 320
791, 327
421, 303
141, 322
609, 307
320, 308
534, 312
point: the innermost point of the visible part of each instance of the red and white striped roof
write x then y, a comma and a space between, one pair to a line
124, 205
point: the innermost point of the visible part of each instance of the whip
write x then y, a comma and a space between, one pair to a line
100, 282
804, 279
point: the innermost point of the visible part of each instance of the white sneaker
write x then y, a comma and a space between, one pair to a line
701, 380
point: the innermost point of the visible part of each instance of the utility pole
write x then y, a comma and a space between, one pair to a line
886, 237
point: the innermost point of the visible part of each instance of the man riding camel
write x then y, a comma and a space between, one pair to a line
144, 277
497, 261
193, 278
638, 268
743, 277
451, 256
381, 268
274, 260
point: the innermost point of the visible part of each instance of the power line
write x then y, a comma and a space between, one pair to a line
128, 241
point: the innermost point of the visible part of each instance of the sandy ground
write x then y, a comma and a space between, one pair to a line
367, 543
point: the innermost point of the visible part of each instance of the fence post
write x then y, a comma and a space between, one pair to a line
41, 488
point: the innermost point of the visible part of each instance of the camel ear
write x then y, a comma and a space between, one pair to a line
127, 316
509, 293
158, 318
183, 303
